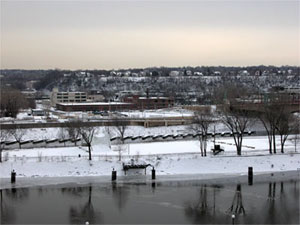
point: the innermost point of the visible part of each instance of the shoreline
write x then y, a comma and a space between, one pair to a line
210, 178
175, 166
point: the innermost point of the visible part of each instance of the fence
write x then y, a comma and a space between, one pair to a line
147, 157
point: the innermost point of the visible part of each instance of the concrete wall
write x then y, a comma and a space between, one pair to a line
42, 144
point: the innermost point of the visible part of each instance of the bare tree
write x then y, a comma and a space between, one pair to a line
201, 123
73, 130
18, 134
276, 119
108, 130
62, 134
284, 125
237, 121
3, 138
120, 126
47, 108
120, 149
295, 140
296, 137
269, 118
87, 133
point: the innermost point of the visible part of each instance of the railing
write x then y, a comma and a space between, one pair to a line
147, 157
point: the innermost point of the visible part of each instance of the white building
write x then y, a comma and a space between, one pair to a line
67, 97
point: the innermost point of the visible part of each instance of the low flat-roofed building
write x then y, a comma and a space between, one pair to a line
142, 103
95, 106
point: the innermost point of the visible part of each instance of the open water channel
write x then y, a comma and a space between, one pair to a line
271, 199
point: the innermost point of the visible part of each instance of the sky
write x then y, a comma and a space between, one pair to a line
135, 34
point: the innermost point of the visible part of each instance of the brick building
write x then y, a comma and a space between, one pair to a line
142, 103
95, 106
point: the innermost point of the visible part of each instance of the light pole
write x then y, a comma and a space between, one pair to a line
232, 218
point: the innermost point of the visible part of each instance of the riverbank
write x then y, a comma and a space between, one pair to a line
177, 165
173, 158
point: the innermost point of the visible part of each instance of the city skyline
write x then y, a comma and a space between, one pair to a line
131, 34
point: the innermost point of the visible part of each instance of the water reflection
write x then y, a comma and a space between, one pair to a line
79, 214
17, 194
237, 202
203, 210
175, 202
272, 191
7, 198
120, 195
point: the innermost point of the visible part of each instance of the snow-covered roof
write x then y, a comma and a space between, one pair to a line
153, 98
94, 103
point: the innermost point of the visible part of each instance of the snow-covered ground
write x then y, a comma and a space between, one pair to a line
168, 158
57, 115
174, 112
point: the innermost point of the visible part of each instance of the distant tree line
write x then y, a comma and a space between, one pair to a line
11, 101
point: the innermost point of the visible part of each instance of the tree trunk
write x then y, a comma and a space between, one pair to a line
239, 149
282, 144
0, 155
90, 152
274, 142
270, 144
240, 144
201, 146
204, 143
237, 144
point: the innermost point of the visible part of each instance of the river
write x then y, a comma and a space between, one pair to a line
271, 199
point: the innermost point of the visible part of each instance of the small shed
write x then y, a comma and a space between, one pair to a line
37, 112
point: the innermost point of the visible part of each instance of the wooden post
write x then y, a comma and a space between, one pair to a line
114, 175
153, 185
13, 177
250, 175
153, 174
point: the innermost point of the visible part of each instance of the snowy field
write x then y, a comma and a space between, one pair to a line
168, 158
57, 115
174, 112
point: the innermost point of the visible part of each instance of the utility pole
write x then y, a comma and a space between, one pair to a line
214, 136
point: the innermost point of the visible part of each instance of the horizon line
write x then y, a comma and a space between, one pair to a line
148, 67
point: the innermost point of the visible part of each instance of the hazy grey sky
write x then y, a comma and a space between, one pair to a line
127, 34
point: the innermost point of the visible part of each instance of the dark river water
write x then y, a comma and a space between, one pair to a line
270, 200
